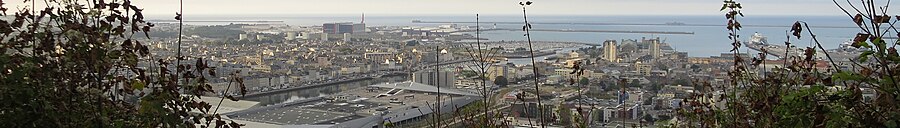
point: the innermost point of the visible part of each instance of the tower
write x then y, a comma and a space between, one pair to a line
655, 51
610, 50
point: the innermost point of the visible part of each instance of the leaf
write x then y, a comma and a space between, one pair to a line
859, 40
879, 43
137, 84
882, 19
797, 28
858, 19
146, 30
864, 56
846, 76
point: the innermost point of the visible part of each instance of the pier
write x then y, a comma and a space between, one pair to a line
625, 24
598, 31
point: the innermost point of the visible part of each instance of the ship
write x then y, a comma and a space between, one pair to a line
847, 46
758, 39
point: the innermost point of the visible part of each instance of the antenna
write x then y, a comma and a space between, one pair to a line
363, 18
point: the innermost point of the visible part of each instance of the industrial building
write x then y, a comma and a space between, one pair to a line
370, 107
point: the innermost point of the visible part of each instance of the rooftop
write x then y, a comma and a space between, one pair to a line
394, 101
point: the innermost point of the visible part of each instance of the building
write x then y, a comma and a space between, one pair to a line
341, 28
347, 37
473, 83
609, 51
430, 77
304, 35
260, 37
642, 68
290, 35
400, 103
655, 50
379, 56
242, 36
504, 70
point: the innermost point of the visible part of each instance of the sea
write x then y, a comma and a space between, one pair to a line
709, 38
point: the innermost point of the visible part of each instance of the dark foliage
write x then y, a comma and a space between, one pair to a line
76, 64
802, 94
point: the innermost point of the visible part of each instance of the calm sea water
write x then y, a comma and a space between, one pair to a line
707, 40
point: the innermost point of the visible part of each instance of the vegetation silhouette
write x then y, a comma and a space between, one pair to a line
79, 64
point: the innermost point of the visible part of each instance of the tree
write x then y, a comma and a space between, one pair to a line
75, 64
648, 118
584, 81
684, 82
565, 116
501, 81
634, 83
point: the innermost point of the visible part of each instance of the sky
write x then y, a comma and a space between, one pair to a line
465, 7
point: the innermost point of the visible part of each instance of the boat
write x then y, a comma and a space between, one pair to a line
758, 39
847, 46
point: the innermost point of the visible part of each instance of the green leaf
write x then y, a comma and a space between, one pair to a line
816, 88
890, 124
846, 76
879, 43
137, 84
863, 57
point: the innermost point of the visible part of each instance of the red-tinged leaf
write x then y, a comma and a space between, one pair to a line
858, 19
882, 19
860, 37
810, 80
892, 52
797, 28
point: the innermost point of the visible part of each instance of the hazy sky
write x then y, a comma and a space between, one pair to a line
433, 7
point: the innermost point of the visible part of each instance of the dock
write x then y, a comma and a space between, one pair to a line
597, 31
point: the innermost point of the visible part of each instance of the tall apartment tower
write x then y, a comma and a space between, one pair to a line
610, 49
444, 78
655, 51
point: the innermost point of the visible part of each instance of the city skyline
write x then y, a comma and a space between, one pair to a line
459, 7
449, 64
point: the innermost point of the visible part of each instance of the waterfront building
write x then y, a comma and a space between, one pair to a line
345, 27
430, 77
